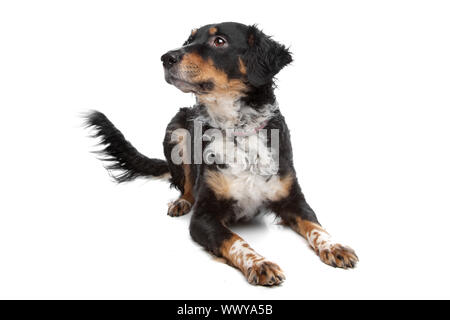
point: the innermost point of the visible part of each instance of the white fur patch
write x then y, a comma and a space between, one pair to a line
250, 191
319, 240
244, 256
244, 154
222, 112
227, 113
251, 165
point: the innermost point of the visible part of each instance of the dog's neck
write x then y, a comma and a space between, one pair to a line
223, 111
236, 110
232, 112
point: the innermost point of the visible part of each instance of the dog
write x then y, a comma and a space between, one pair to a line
230, 68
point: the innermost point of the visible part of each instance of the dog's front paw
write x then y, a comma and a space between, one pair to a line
179, 208
265, 273
338, 256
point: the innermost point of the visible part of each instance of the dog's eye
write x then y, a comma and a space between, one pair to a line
219, 42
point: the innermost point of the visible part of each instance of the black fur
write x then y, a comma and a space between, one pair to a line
263, 59
125, 163
262, 56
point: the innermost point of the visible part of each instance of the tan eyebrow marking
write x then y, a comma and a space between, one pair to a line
212, 31
194, 31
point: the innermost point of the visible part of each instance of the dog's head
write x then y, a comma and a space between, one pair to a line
227, 58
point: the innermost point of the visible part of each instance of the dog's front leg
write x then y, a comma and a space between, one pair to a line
208, 230
297, 214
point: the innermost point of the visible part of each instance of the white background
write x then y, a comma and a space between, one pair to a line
367, 100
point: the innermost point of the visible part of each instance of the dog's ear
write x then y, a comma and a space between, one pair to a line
264, 57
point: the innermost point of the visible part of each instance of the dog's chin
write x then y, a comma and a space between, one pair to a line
187, 86
184, 85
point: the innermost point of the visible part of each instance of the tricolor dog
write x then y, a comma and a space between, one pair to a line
230, 154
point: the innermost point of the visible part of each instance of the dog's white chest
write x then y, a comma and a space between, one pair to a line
250, 192
251, 172
251, 167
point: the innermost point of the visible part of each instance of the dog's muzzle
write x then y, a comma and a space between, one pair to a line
171, 58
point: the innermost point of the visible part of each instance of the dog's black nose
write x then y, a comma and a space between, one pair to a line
170, 58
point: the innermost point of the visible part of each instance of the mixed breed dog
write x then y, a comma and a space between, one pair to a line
230, 154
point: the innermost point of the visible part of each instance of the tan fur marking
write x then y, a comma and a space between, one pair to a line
304, 227
256, 268
226, 246
219, 184
238, 258
212, 31
193, 32
183, 205
329, 252
284, 188
188, 188
200, 70
242, 67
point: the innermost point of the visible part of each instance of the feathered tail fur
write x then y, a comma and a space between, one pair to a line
125, 163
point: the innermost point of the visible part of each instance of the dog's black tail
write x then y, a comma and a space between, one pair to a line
125, 163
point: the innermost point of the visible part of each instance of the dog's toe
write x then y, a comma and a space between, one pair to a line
339, 256
265, 273
179, 208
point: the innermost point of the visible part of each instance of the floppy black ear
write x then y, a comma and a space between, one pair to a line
264, 57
